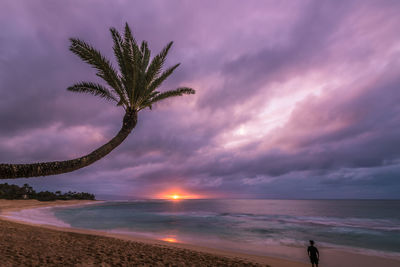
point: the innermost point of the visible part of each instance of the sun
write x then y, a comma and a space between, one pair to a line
177, 194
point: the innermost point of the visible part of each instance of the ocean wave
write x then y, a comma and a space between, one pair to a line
333, 222
366, 223
42, 216
187, 213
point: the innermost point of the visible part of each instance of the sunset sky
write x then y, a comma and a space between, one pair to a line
294, 99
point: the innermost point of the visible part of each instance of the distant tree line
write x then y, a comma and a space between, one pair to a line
12, 191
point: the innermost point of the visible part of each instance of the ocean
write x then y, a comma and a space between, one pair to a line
250, 226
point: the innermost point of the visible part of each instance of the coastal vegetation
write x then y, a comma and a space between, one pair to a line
133, 87
12, 191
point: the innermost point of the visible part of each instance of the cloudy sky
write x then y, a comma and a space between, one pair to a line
295, 99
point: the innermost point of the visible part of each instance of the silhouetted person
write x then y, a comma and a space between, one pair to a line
313, 254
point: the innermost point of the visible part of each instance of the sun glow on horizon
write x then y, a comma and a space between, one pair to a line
177, 195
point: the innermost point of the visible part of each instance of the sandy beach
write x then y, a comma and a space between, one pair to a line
26, 244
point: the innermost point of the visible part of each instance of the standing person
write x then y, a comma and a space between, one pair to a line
313, 254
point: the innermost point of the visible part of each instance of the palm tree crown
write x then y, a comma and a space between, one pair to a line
134, 86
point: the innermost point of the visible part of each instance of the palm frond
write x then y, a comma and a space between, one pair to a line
158, 81
128, 61
148, 93
93, 89
104, 68
141, 83
157, 63
128, 37
144, 49
164, 52
117, 48
133, 57
119, 54
177, 92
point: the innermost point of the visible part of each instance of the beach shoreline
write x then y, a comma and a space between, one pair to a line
331, 257
228, 257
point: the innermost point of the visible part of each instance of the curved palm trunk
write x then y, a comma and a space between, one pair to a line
8, 171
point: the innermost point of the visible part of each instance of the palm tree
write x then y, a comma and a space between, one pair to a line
133, 87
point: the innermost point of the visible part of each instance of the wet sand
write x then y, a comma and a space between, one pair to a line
26, 244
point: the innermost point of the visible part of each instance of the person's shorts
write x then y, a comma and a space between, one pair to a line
314, 260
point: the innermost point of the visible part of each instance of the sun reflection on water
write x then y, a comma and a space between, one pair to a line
170, 239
